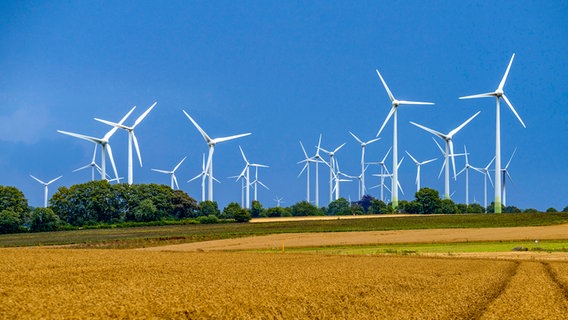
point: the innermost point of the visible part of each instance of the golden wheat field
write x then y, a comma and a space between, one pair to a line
72, 283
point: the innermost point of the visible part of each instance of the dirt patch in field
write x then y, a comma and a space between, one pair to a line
298, 240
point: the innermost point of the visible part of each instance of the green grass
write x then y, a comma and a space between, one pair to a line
408, 249
159, 235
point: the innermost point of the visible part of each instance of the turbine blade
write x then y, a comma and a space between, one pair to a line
510, 159
451, 144
451, 134
337, 149
197, 176
161, 171
244, 157
179, 164
386, 155
81, 136
175, 180
480, 95
502, 83
434, 132
428, 161
415, 103
304, 150
135, 140
205, 136
391, 112
262, 184
356, 138
112, 161
411, 157
372, 140
442, 169
82, 168
113, 130
38, 180
391, 96
53, 180
94, 154
137, 122
439, 146
513, 109
223, 139
489, 176
112, 124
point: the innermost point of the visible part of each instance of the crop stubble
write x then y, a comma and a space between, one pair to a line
61, 283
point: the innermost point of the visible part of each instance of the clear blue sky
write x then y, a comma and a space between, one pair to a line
285, 71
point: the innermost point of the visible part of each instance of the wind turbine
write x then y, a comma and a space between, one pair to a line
498, 94
203, 175
384, 172
131, 138
331, 168
279, 201
45, 187
466, 169
172, 174
449, 149
363, 146
505, 175
486, 175
256, 182
93, 165
240, 177
395, 103
246, 171
211, 143
418, 165
307, 161
338, 179
104, 143
317, 157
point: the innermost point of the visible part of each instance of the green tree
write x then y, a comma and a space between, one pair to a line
511, 209
429, 199
276, 212
230, 210
44, 219
357, 209
565, 209
256, 209
146, 211
491, 207
448, 207
551, 209
10, 221
414, 207
378, 207
207, 208
304, 208
243, 215
530, 210
339, 207
462, 207
11, 198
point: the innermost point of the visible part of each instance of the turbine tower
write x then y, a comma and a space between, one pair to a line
246, 173
384, 172
449, 150
256, 181
317, 158
338, 179
498, 94
211, 144
466, 169
306, 168
45, 187
203, 175
363, 169
418, 165
104, 143
395, 103
486, 175
172, 174
131, 139
331, 168
505, 175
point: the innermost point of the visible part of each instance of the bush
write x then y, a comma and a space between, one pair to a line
551, 209
448, 207
146, 211
230, 210
242, 215
208, 219
208, 208
304, 208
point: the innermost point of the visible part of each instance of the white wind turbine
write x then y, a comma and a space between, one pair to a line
384, 172
172, 173
338, 180
242, 178
246, 173
486, 175
104, 143
131, 139
306, 168
45, 187
395, 103
256, 181
317, 157
449, 150
418, 165
504, 177
202, 175
498, 94
93, 165
466, 169
363, 146
279, 201
211, 144
331, 168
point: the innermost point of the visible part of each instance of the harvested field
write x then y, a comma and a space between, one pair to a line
291, 240
66, 283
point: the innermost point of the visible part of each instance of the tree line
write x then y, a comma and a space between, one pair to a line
100, 204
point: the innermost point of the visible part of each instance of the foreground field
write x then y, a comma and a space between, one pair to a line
69, 283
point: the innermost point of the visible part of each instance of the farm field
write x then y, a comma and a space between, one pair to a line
80, 283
